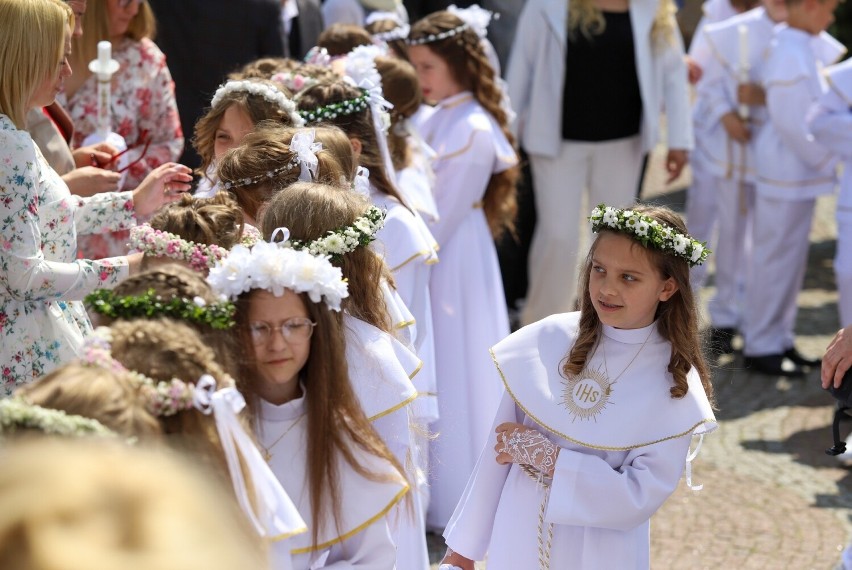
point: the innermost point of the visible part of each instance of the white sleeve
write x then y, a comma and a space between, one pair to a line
676, 95
633, 492
469, 529
787, 103
521, 64
370, 549
830, 122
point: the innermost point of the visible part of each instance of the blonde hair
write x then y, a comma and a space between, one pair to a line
340, 39
310, 211
110, 397
469, 67
217, 220
32, 47
163, 349
587, 19
677, 318
266, 149
256, 107
96, 23
335, 419
101, 506
401, 87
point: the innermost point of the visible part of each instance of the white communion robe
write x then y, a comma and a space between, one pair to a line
362, 538
381, 370
468, 304
624, 446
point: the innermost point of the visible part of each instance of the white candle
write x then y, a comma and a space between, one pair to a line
104, 54
742, 30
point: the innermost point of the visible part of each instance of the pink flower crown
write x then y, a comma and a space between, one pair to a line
158, 243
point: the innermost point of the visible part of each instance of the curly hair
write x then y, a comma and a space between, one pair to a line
677, 318
310, 211
358, 125
402, 88
268, 148
256, 109
469, 67
340, 39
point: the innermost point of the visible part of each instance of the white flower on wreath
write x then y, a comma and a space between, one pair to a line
609, 217
697, 251
680, 243
641, 228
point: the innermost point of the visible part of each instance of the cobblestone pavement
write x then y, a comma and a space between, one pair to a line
772, 499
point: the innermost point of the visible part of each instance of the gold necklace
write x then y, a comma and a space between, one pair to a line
267, 450
603, 351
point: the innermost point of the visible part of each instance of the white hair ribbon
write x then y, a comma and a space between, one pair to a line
361, 182
273, 513
474, 16
303, 145
285, 235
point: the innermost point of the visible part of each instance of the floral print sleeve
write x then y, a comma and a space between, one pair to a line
108, 211
37, 225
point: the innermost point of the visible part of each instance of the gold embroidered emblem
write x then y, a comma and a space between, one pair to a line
586, 394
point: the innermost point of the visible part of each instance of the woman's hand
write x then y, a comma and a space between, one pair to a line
164, 185
91, 180
517, 443
675, 161
99, 155
455, 559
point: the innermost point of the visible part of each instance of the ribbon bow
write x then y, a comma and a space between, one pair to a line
306, 150
476, 17
361, 182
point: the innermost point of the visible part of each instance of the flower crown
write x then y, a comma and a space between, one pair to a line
473, 17
344, 240
158, 243
295, 82
650, 233
261, 90
334, 110
16, 413
275, 267
304, 151
398, 33
150, 304
161, 398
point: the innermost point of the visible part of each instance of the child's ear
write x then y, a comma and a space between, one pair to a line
669, 289
356, 146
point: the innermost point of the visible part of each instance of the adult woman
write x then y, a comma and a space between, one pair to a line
42, 322
143, 105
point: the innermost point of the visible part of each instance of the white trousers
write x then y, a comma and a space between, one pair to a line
843, 263
732, 250
605, 172
781, 232
701, 216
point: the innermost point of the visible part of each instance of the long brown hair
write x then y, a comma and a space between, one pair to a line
677, 318
268, 148
402, 88
254, 106
358, 125
310, 211
471, 70
334, 416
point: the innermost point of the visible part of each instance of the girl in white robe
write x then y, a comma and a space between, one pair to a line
317, 439
475, 174
593, 431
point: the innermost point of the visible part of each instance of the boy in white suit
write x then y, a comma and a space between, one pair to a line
792, 170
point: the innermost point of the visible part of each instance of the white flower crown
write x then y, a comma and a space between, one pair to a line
275, 267
157, 243
649, 232
473, 17
304, 151
18, 414
261, 90
343, 240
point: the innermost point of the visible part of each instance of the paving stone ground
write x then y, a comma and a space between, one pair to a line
772, 499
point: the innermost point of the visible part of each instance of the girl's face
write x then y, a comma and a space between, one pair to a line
281, 342
624, 285
119, 14
436, 80
47, 90
234, 125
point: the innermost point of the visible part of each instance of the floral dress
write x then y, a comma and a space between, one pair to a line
42, 319
143, 107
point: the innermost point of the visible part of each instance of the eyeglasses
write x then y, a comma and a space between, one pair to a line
297, 329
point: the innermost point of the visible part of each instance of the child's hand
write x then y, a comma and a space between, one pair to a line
837, 359
751, 94
452, 558
676, 159
693, 70
736, 127
519, 444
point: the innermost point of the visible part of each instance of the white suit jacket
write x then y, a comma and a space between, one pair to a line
536, 77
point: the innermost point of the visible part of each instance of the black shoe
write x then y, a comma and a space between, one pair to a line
722, 340
775, 365
797, 357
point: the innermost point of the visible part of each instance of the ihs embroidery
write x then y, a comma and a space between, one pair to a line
586, 394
